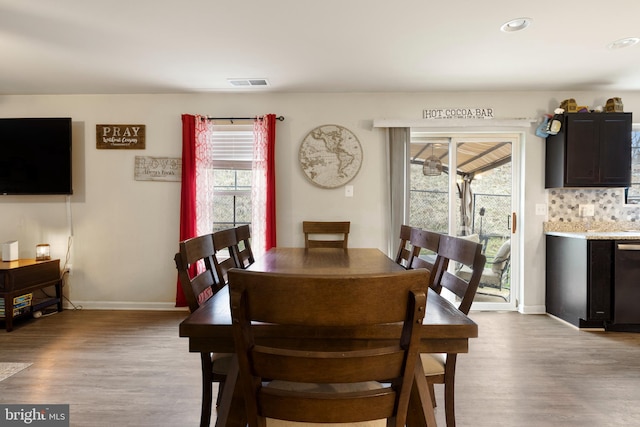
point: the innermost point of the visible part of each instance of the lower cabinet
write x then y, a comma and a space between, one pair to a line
579, 280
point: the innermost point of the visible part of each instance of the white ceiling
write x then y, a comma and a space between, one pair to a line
175, 46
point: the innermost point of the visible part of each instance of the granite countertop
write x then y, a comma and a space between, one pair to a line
594, 230
597, 235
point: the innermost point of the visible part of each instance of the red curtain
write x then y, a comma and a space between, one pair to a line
264, 186
188, 193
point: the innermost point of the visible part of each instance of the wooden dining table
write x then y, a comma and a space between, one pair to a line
444, 330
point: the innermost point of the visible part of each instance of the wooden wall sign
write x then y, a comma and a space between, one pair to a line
458, 113
158, 169
130, 137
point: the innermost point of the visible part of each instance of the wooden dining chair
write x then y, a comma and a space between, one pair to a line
338, 229
196, 273
404, 248
424, 254
316, 380
441, 368
225, 257
244, 252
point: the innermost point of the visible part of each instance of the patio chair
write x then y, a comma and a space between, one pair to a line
495, 271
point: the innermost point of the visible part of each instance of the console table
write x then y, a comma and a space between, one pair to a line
27, 275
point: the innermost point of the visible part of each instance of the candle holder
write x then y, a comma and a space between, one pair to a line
42, 252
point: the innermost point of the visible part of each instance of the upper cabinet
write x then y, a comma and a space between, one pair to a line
591, 150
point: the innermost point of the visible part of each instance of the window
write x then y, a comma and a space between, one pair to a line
231, 175
633, 192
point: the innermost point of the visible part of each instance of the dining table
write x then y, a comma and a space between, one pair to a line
445, 329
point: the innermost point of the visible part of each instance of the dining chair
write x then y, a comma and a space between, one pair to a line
404, 248
225, 257
315, 380
196, 268
428, 242
332, 228
441, 368
244, 252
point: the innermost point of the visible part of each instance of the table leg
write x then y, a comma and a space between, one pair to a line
58, 287
8, 312
231, 411
420, 407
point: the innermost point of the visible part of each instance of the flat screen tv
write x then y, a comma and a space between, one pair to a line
35, 156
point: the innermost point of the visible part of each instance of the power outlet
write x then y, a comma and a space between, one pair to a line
69, 270
348, 191
586, 210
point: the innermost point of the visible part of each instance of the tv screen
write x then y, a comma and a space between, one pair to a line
35, 156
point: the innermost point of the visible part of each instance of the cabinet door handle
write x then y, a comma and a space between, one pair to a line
628, 247
513, 221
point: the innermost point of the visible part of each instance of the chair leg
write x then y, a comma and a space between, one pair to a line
220, 388
449, 390
433, 395
207, 392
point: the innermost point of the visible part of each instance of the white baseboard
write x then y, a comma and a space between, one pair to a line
532, 309
123, 305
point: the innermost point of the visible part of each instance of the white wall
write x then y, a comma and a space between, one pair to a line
126, 231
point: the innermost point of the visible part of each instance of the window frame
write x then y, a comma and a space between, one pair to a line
227, 163
635, 143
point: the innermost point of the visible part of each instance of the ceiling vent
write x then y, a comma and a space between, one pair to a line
248, 82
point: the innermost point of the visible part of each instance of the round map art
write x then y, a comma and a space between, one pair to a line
330, 156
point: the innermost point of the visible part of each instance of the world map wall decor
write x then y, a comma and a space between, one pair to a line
330, 156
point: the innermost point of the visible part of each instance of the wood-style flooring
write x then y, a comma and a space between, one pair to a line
130, 368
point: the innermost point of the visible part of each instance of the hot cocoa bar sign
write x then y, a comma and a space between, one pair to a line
120, 136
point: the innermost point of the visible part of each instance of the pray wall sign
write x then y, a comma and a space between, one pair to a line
128, 137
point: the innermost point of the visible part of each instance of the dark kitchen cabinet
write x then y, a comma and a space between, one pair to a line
591, 150
579, 280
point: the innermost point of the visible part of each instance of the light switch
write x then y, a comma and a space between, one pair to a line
348, 191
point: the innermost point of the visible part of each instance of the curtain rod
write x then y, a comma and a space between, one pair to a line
279, 118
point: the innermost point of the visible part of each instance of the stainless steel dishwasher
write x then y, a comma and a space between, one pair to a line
626, 307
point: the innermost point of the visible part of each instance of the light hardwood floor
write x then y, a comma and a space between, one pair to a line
130, 368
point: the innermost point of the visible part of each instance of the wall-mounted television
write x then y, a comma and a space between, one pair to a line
35, 156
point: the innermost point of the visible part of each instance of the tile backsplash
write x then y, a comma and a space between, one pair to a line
563, 206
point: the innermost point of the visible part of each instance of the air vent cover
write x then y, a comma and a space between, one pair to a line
248, 82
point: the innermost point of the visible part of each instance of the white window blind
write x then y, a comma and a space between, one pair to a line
232, 146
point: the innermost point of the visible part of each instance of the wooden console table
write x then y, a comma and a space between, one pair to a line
25, 276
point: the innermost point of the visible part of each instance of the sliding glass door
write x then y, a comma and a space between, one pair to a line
464, 186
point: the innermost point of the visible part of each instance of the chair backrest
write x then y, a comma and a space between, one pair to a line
196, 269
404, 249
339, 229
429, 240
468, 253
501, 260
334, 308
225, 257
244, 252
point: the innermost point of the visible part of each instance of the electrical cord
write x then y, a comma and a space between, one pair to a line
64, 277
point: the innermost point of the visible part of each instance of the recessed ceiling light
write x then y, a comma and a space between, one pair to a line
516, 25
626, 42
